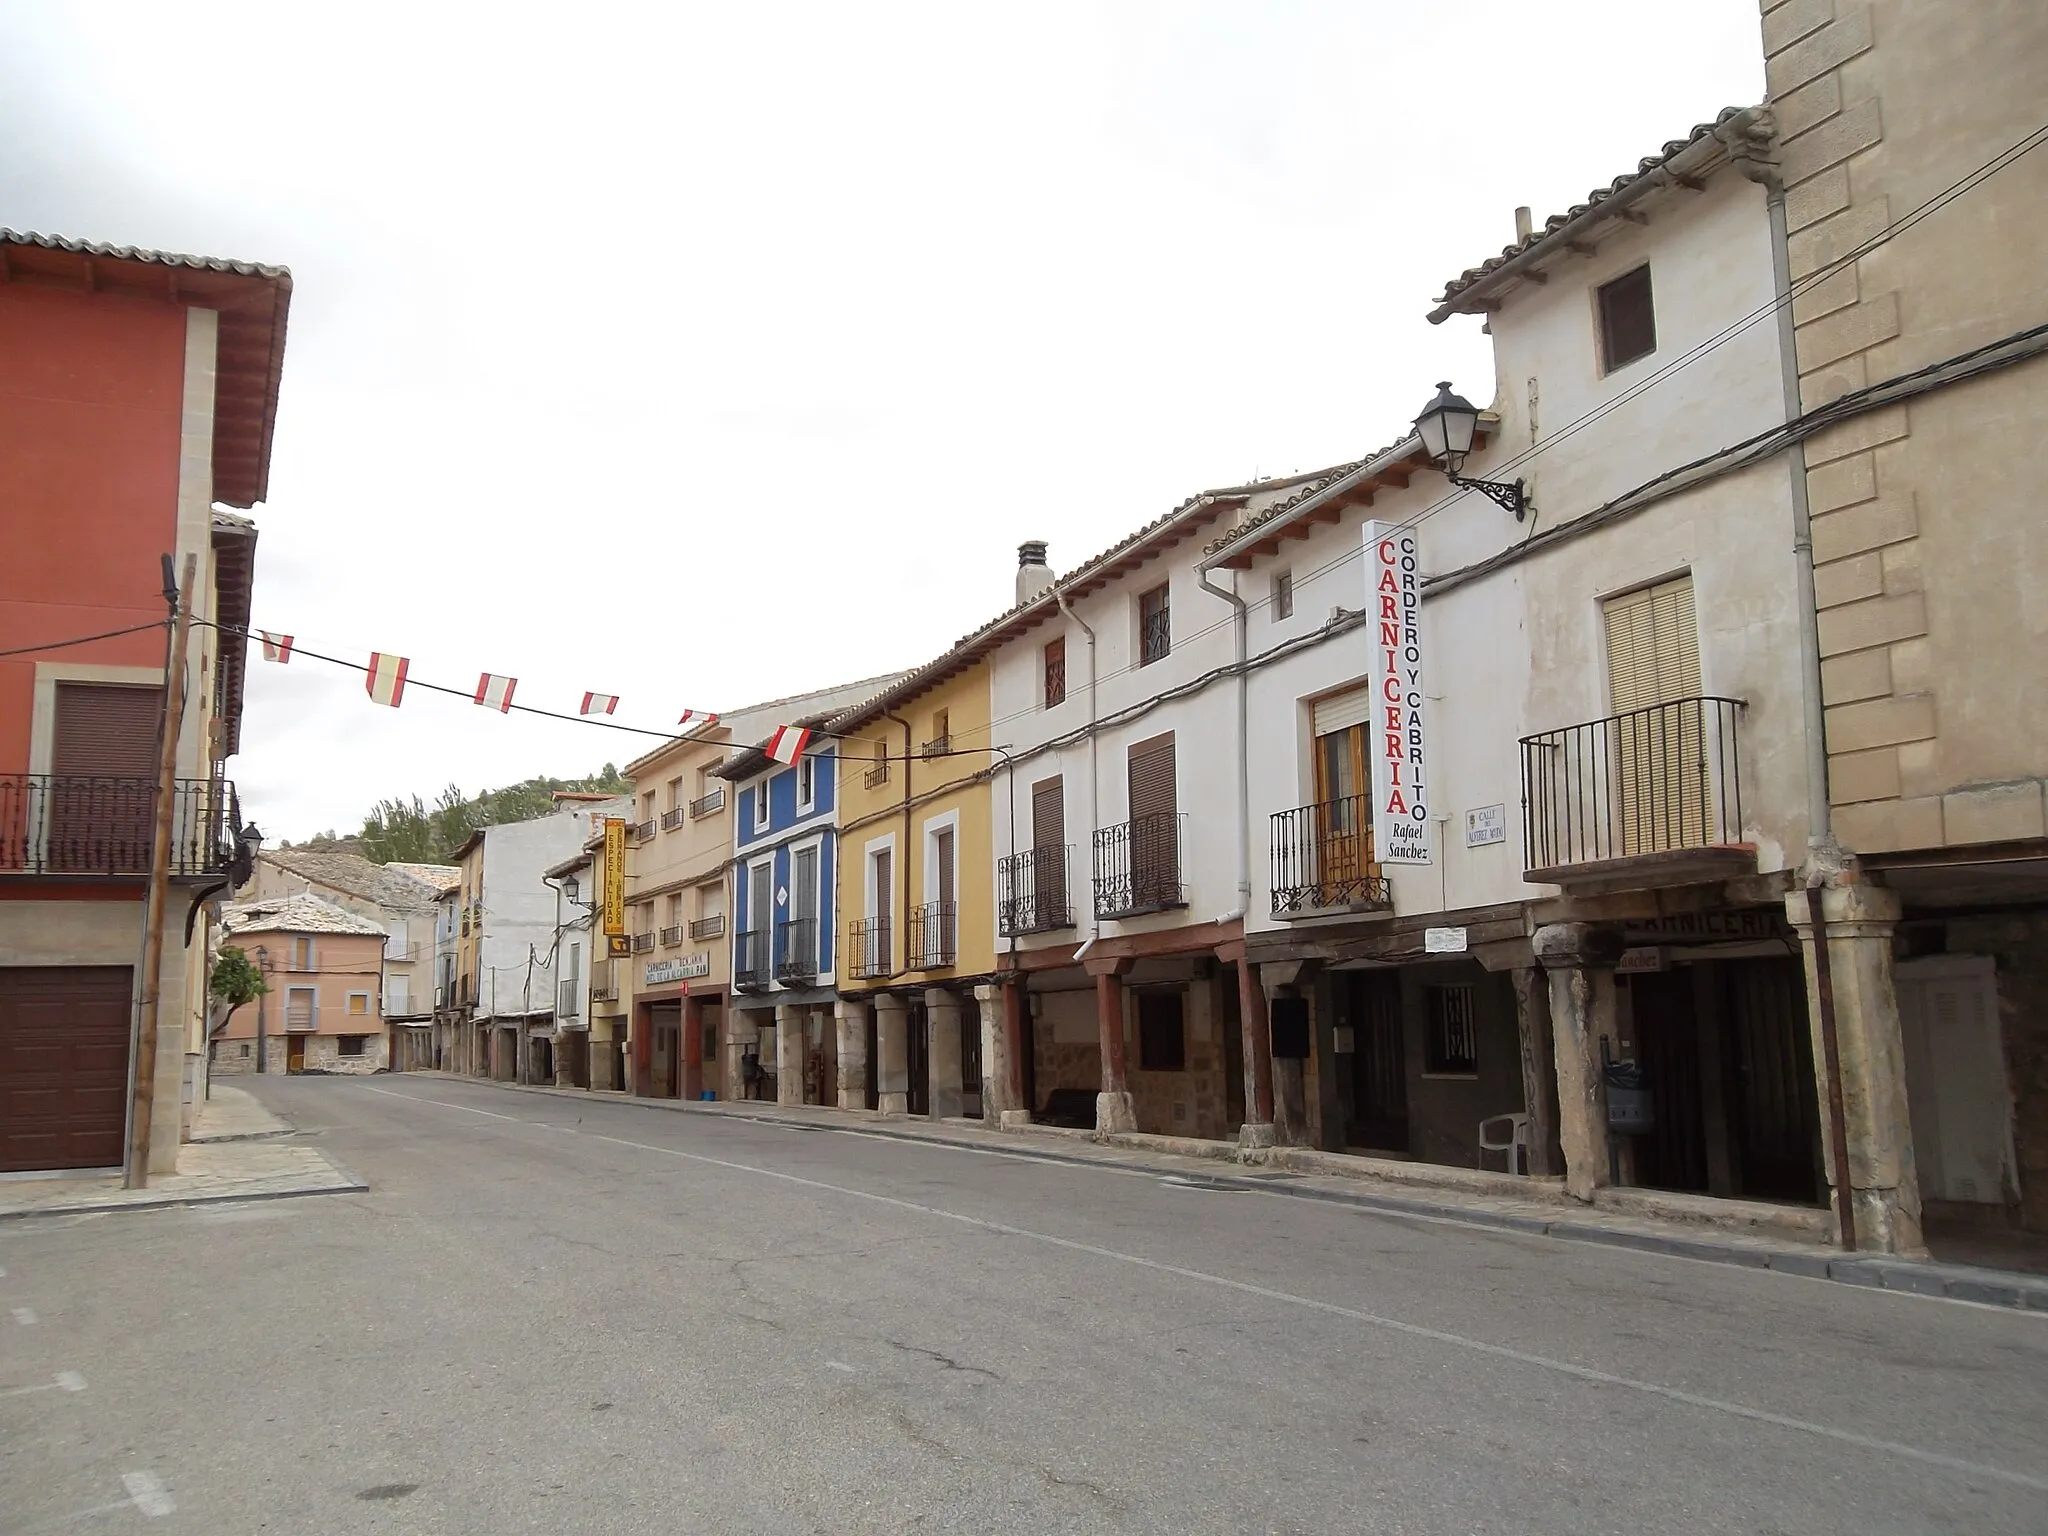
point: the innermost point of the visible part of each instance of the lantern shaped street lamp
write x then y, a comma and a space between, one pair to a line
1448, 426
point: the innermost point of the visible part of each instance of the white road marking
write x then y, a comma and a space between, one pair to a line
146, 1492
840, 1365
68, 1381
24, 1315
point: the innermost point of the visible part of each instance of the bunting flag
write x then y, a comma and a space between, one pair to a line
698, 718
386, 680
496, 691
276, 647
599, 703
787, 744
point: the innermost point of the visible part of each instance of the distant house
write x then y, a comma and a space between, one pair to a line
323, 966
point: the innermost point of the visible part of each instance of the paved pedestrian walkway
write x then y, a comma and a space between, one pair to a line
238, 1152
1629, 1219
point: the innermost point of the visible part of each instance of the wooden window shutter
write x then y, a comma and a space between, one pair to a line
1049, 813
884, 885
106, 732
1152, 778
943, 851
1653, 650
1656, 753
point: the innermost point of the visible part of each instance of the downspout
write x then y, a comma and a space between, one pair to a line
903, 855
1822, 854
1242, 616
1059, 596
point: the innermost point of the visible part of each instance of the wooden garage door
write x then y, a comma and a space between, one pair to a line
63, 1066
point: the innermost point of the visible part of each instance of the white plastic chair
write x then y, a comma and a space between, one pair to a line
1516, 1145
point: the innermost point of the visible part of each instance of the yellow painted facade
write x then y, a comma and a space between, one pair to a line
899, 798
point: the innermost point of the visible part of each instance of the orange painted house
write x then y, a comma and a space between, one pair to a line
138, 396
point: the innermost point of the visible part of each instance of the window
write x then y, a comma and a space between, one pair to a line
1162, 1032
1283, 595
1155, 626
1653, 665
676, 800
398, 994
806, 783
355, 1045
1628, 322
301, 1008
1055, 673
245, 1048
761, 806
302, 955
358, 1004
942, 731
1451, 1048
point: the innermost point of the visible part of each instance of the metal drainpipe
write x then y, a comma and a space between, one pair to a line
903, 857
1244, 788
1059, 596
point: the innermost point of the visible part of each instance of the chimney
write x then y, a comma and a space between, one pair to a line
1524, 223
1033, 576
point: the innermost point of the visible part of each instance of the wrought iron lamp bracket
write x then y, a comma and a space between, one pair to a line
1510, 495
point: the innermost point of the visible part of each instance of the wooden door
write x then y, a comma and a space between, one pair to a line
940, 941
1378, 1118
1657, 753
63, 1066
295, 1053
881, 950
1342, 828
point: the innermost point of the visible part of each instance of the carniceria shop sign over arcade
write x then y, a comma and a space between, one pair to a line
1400, 773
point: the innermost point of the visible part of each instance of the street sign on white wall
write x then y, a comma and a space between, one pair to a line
1400, 771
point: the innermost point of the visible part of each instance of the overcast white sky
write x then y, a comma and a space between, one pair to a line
704, 354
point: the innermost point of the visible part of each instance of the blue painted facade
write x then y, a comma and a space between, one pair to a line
798, 840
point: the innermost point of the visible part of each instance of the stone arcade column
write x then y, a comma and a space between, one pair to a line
851, 1019
1579, 959
1539, 1053
892, 1069
1256, 1034
945, 1010
1884, 1187
1001, 1093
789, 1053
1114, 1109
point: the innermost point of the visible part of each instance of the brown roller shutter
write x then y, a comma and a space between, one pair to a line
1152, 791
942, 849
63, 1066
106, 732
1048, 813
103, 766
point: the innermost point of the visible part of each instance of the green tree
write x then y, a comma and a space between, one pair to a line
235, 981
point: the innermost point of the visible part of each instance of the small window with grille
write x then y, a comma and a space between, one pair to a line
1451, 1047
1283, 595
1155, 626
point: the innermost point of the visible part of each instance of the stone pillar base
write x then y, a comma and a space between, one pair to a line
1115, 1112
1013, 1118
893, 1103
1252, 1137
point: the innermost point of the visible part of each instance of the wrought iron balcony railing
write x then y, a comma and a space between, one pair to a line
750, 970
643, 831
1663, 779
870, 948
939, 746
934, 933
709, 804
642, 943
708, 927
1322, 859
672, 936
1138, 868
796, 944
70, 824
671, 818
877, 775
1035, 896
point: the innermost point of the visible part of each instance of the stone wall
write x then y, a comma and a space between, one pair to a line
2018, 943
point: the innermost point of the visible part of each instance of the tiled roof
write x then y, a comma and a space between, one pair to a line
391, 886
1315, 485
1754, 123
442, 877
139, 253
301, 913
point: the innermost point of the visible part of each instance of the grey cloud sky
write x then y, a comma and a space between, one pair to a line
651, 350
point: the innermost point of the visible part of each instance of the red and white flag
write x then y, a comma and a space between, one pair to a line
695, 719
787, 744
386, 680
275, 647
599, 704
496, 691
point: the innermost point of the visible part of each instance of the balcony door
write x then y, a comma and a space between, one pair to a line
103, 767
1155, 825
1048, 854
1658, 755
803, 911
1342, 825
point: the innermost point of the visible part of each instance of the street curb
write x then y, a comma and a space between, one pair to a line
216, 1141
169, 1202
2013, 1290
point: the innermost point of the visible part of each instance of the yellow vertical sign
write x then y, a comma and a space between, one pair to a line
615, 882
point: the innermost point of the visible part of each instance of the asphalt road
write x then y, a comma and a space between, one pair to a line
553, 1316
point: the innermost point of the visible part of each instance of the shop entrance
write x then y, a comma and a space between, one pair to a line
1375, 1090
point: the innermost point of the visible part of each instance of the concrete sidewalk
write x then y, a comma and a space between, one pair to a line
238, 1152
1642, 1220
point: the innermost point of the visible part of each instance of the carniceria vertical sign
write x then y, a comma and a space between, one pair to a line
1400, 764
615, 885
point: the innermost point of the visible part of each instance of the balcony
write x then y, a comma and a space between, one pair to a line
934, 930
750, 961
642, 831
671, 818
604, 986
1138, 867
1321, 861
870, 948
709, 804
796, 943
642, 943
939, 746
711, 927
569, 1002
1035, 895
1637, 801
672, 937
877, 774
69, 824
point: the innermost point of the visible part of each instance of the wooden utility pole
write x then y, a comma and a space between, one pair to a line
144, 1104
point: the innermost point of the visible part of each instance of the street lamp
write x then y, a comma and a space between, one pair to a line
1447, 427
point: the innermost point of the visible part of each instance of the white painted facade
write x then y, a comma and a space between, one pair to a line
1522, 648
516, 964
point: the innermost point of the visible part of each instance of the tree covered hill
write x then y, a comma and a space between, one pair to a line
415, 832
